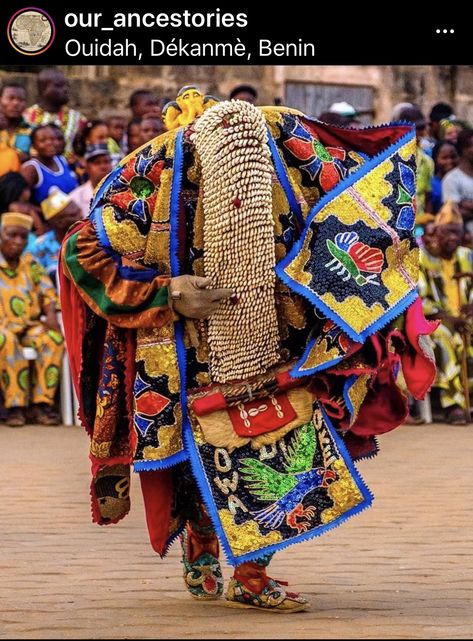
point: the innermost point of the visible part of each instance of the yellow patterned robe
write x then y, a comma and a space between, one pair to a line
25, 294
438, 291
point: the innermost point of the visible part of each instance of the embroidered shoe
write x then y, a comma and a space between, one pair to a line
202, 571
272, 598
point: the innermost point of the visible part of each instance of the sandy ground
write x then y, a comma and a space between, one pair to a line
401, 570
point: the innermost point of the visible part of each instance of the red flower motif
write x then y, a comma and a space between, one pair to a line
322, 163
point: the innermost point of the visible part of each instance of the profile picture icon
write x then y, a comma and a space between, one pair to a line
31, 31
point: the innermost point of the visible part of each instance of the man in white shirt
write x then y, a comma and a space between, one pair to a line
457, 185
99, 164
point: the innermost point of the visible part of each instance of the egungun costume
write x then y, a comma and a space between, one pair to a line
263, 405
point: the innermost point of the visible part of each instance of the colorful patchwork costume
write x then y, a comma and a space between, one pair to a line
262, 405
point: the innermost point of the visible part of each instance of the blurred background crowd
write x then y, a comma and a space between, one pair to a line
53, 155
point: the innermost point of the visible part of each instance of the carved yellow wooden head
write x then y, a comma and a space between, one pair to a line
189, 105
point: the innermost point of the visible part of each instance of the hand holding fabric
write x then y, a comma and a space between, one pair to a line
191, 296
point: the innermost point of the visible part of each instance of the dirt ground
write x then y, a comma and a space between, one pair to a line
401, 570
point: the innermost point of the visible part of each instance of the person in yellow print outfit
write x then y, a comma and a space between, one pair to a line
442, 299
26, 294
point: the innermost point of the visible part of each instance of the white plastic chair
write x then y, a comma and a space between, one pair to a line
425, 409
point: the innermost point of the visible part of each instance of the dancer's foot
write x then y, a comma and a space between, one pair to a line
202, 571
250, 587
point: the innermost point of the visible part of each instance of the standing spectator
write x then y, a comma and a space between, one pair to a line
445, 157
425, 164
150, 127
450, 128
398, 108
144, 101
9, 160
133, 134
457, 185
99, 164
17, 132
54, 94
47, 169
244, 92
439, 112
26, 293
346, 112
60, 140
116, 138
331, 118
95, 132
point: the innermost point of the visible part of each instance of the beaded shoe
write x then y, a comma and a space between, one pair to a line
202, 571
263, 593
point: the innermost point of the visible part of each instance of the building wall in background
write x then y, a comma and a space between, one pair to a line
101, 90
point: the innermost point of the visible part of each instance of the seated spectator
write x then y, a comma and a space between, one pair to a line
244, 92
445, 157
98, 165
26, 293
60, 212
15, 195
13, 187
443, 299
429, 236
17, 132
457, 184
47, 169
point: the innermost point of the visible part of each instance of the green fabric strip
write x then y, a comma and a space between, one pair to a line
95, 289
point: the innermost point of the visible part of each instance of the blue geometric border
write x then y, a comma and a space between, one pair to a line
179, 457
283, 179
296, 372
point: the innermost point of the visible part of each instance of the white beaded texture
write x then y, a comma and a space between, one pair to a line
232, 142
